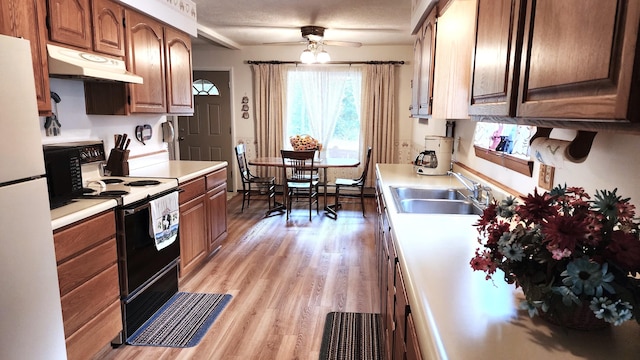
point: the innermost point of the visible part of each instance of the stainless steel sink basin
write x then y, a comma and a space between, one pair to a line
433, 201
404, 193
438, 206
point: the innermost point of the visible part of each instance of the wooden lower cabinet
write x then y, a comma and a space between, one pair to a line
398, 329
87, 257
203, 219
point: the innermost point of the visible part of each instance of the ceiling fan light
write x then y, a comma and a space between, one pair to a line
323, 57
307, 57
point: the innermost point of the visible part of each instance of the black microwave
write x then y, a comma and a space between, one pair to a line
64, 174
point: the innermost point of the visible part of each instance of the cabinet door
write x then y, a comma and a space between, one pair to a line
496, 61
415, 82
217, 210
578, 59
179, 72
427, 62
108, 27
193, 234
413, 348
453, 61
399, 345
391, 299
145, 56
25, 19
70, 22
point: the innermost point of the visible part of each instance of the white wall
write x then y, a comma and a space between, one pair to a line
209, 57
77, 125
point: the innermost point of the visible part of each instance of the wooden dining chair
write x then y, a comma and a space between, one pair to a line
356, 184
298, 174
261, 185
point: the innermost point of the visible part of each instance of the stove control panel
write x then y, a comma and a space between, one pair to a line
90, 151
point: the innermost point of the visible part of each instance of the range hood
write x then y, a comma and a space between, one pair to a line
73, 63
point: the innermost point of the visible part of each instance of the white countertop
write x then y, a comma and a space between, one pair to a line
79, 210
183, 170
460, 315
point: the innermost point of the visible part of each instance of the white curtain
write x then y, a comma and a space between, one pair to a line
323, 89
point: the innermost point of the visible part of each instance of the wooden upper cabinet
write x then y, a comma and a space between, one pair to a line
145, 57
496, 62
578, 60
427, 62
179, 72
70, 22
108, 27
21, 18
452, 76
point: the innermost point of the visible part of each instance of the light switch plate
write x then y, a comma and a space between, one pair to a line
545, 176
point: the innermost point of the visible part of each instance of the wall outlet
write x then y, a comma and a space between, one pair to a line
545, 176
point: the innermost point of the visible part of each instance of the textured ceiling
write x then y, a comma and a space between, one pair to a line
240, 23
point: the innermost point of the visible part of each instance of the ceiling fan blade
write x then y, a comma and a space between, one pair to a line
286, 43
341, 43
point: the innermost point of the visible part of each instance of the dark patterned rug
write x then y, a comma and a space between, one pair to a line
350, 336
182, 321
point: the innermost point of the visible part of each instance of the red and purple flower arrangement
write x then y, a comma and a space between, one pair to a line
565, 250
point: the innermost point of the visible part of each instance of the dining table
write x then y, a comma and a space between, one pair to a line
322, 164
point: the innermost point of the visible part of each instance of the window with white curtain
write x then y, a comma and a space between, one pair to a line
324, 102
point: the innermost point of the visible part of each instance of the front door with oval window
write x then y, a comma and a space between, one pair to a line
206, 135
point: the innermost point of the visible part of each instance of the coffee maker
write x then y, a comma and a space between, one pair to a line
436, 158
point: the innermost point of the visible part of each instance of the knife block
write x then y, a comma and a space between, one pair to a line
118, 163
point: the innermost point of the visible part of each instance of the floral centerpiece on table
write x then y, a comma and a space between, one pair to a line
567, 253
304, 142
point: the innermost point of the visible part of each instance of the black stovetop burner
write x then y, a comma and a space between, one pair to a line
143, 183
112, 181
114, 193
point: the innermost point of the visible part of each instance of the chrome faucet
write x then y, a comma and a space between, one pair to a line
475, 187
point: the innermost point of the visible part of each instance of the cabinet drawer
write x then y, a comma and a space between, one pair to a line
96, 334
83, 303
75, 238
216, 178
76, 271
191, 189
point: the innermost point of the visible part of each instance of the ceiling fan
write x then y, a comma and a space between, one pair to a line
314, 39
315, 35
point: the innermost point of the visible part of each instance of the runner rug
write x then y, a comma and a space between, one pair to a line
182, 321
351, 336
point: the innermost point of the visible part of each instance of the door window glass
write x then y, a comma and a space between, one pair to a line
205, 87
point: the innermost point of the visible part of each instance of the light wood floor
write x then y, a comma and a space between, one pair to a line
284, 277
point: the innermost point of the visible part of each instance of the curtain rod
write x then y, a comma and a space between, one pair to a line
328, 63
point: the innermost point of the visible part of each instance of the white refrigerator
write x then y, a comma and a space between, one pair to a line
30, 311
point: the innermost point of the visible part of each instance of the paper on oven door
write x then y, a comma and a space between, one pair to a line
164, 220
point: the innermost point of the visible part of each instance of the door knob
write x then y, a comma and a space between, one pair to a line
181, 138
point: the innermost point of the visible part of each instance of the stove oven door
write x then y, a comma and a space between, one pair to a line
148, 277
142, 261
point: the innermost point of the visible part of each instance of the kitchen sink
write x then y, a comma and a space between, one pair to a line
433, 201
438, 206
404, 193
